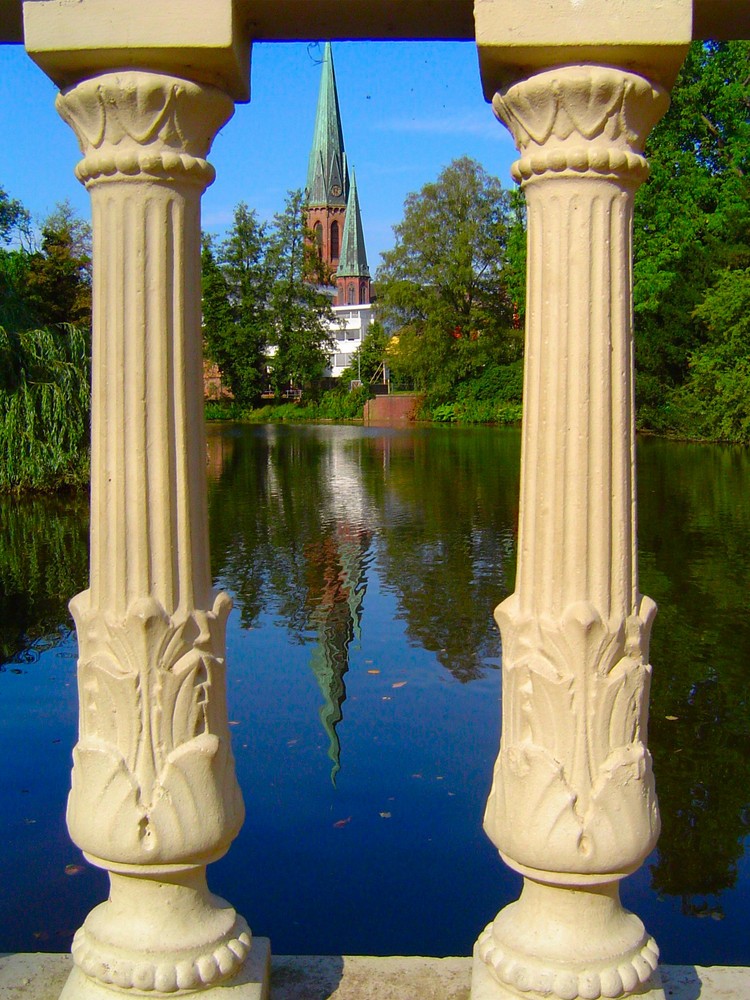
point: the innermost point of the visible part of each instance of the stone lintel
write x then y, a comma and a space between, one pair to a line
649, 37
74, 41
302, 20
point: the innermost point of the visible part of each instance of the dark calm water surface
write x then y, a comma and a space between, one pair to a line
364, 690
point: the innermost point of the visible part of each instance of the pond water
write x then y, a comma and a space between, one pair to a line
364, 690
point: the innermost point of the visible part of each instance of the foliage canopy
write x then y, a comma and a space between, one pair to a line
264, 313
442, 290
691, 230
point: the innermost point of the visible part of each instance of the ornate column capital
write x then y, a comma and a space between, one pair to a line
581, 120
144, 125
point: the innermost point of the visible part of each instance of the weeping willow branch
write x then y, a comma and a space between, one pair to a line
44, 408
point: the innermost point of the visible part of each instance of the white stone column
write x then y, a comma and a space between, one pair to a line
573, 806
154, 795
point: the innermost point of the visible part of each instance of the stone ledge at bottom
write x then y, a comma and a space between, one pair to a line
332, 977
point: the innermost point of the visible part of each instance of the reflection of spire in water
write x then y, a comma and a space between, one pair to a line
339, 562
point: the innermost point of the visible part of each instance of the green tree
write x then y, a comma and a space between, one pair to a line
300, 308
714, 400
15, 234
691, 221
44, 408
239, 345
58, 280
217, 314
441, 290
514, 265
15, 221
367, 360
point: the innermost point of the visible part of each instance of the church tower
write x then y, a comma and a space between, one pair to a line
353, 274
333, 212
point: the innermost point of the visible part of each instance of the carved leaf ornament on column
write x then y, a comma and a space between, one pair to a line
562, 793
152, 780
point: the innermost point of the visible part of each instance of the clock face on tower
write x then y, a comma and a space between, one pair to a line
335, 190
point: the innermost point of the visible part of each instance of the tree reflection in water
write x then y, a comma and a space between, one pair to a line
694, 532
311, 527
434, 512
43, 563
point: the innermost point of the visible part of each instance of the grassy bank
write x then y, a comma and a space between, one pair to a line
333, 405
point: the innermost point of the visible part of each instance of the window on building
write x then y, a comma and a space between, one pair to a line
341, 360
350, 295
363, 294
334, 241
319, 237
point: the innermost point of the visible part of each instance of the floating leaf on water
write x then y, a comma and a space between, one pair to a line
672, 718
385, 815
386, 697
342, 822
373, 671
74, 869
416, 775
290, 743
440, 778
234, 722
399, 684
368, 661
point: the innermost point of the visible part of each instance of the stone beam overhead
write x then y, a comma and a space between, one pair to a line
74, 41
290, 20
295, 20
647, 36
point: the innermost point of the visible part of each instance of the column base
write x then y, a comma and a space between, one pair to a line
565, 942
484, 986
250, 983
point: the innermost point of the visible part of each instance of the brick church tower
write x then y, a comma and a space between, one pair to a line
333, 212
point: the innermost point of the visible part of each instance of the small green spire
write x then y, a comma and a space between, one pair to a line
353, 259
327, 181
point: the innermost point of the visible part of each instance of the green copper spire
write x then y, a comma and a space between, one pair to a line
353, 259
327, 180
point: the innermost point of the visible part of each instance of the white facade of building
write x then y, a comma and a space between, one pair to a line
349, 328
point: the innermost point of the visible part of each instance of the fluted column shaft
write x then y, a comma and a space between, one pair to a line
152, 537
154, 794
573, 806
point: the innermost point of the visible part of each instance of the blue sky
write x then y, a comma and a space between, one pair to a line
408, 109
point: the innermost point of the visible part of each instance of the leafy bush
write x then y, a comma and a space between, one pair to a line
224, 409
492, 398
336, 404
